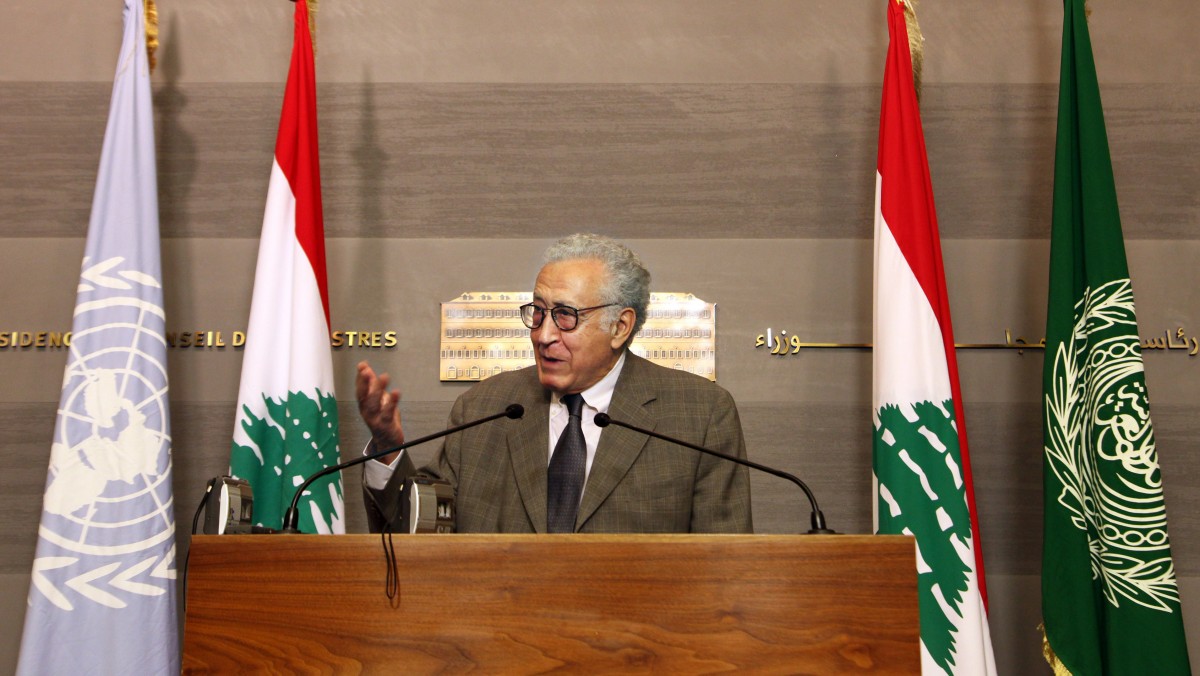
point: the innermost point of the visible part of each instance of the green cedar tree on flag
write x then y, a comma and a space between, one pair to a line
1110, 603
287, 424
922, 473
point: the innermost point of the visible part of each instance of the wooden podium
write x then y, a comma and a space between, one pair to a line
536, 603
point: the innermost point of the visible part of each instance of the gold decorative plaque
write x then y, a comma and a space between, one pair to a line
482, 335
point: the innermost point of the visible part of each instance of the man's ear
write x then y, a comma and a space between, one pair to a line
622, 329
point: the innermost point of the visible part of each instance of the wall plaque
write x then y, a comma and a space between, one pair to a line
482, 335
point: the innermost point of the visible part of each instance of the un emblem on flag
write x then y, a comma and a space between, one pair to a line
108, 522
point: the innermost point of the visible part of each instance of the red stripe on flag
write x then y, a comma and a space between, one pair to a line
906, 202
297, 153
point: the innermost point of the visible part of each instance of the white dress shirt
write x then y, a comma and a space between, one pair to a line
595, 400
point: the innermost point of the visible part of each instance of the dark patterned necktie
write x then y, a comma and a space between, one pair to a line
564, 483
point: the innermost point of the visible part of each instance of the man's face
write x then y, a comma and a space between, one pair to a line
572, 361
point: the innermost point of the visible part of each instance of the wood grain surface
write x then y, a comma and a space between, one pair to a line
672, 160
531, 604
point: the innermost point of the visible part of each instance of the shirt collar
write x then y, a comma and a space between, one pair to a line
599, 396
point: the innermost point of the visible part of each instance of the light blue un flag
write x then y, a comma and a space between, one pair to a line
102, 595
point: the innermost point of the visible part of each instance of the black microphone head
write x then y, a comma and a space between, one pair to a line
514, 411
602, 420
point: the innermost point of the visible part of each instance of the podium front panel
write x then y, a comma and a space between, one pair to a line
537, 603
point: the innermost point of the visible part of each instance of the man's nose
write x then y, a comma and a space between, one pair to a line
547, 333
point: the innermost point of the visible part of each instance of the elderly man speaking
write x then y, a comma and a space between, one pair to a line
554, 471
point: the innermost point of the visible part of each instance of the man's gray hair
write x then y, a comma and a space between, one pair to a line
628, 282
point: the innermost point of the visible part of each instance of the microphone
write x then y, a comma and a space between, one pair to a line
291, 518
818, 519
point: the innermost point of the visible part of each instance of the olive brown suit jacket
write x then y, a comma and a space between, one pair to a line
637, 484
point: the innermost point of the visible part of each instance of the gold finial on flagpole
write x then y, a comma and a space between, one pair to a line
916, 43
151, 11
311, 7
312, 23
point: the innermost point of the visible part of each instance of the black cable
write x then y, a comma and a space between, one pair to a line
392, 580
195, 524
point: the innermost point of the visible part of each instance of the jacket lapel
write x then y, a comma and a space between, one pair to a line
528, 444
619, 447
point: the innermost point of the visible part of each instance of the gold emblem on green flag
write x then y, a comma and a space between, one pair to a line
1100, 448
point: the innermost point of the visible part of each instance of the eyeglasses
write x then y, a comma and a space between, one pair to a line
566, 318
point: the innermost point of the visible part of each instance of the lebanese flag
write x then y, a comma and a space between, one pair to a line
287, 425
921, 467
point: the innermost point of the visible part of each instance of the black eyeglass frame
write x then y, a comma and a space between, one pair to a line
531, 321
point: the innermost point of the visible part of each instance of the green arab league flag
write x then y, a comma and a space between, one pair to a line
1110, 603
